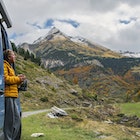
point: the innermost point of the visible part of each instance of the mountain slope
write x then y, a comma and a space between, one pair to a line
45, 89
91, 66
58, 50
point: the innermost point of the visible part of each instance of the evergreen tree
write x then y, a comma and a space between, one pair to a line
14, 47
21, 51
27, 55
32, 56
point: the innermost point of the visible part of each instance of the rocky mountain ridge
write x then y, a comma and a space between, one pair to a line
57, 50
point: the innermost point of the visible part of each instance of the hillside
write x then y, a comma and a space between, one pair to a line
94, 68
45, 89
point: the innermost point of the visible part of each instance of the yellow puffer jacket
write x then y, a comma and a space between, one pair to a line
11, 81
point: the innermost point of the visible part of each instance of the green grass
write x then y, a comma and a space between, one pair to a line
54, 129
71, 128
130, 108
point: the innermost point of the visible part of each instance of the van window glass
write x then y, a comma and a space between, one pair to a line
1, 65
5, 41
1, 85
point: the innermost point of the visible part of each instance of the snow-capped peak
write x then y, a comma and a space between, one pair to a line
52, 34
54, 30
78, 39
131, 54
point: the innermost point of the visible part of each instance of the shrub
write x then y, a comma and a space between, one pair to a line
28, 95
75, 117
44, 99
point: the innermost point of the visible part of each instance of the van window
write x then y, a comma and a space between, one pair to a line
1, 88
1, 66
5, 41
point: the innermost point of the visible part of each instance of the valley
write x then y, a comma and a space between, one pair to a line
69, 75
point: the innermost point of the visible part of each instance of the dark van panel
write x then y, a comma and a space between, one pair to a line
1, 66
1, 88
4, 44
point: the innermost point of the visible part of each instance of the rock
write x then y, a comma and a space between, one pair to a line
37, 135
57, 112
108, 121
74, 92
51, 115
138, 134
86, 104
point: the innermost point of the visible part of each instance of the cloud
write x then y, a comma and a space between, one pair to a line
113, 24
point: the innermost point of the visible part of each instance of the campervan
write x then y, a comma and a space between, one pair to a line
5, 22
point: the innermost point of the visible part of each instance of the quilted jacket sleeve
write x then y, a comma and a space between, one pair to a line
9, 75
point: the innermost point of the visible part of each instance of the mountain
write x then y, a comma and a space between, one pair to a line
131, 54
91, 66
59, 50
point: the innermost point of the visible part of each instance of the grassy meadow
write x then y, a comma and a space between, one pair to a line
54, 129
74, 127
130, 108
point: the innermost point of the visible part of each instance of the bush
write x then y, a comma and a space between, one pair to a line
44, 99
28, 95
75, 117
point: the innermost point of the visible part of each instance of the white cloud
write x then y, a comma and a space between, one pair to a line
113, 24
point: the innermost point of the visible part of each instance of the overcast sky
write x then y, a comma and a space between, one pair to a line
115, 24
